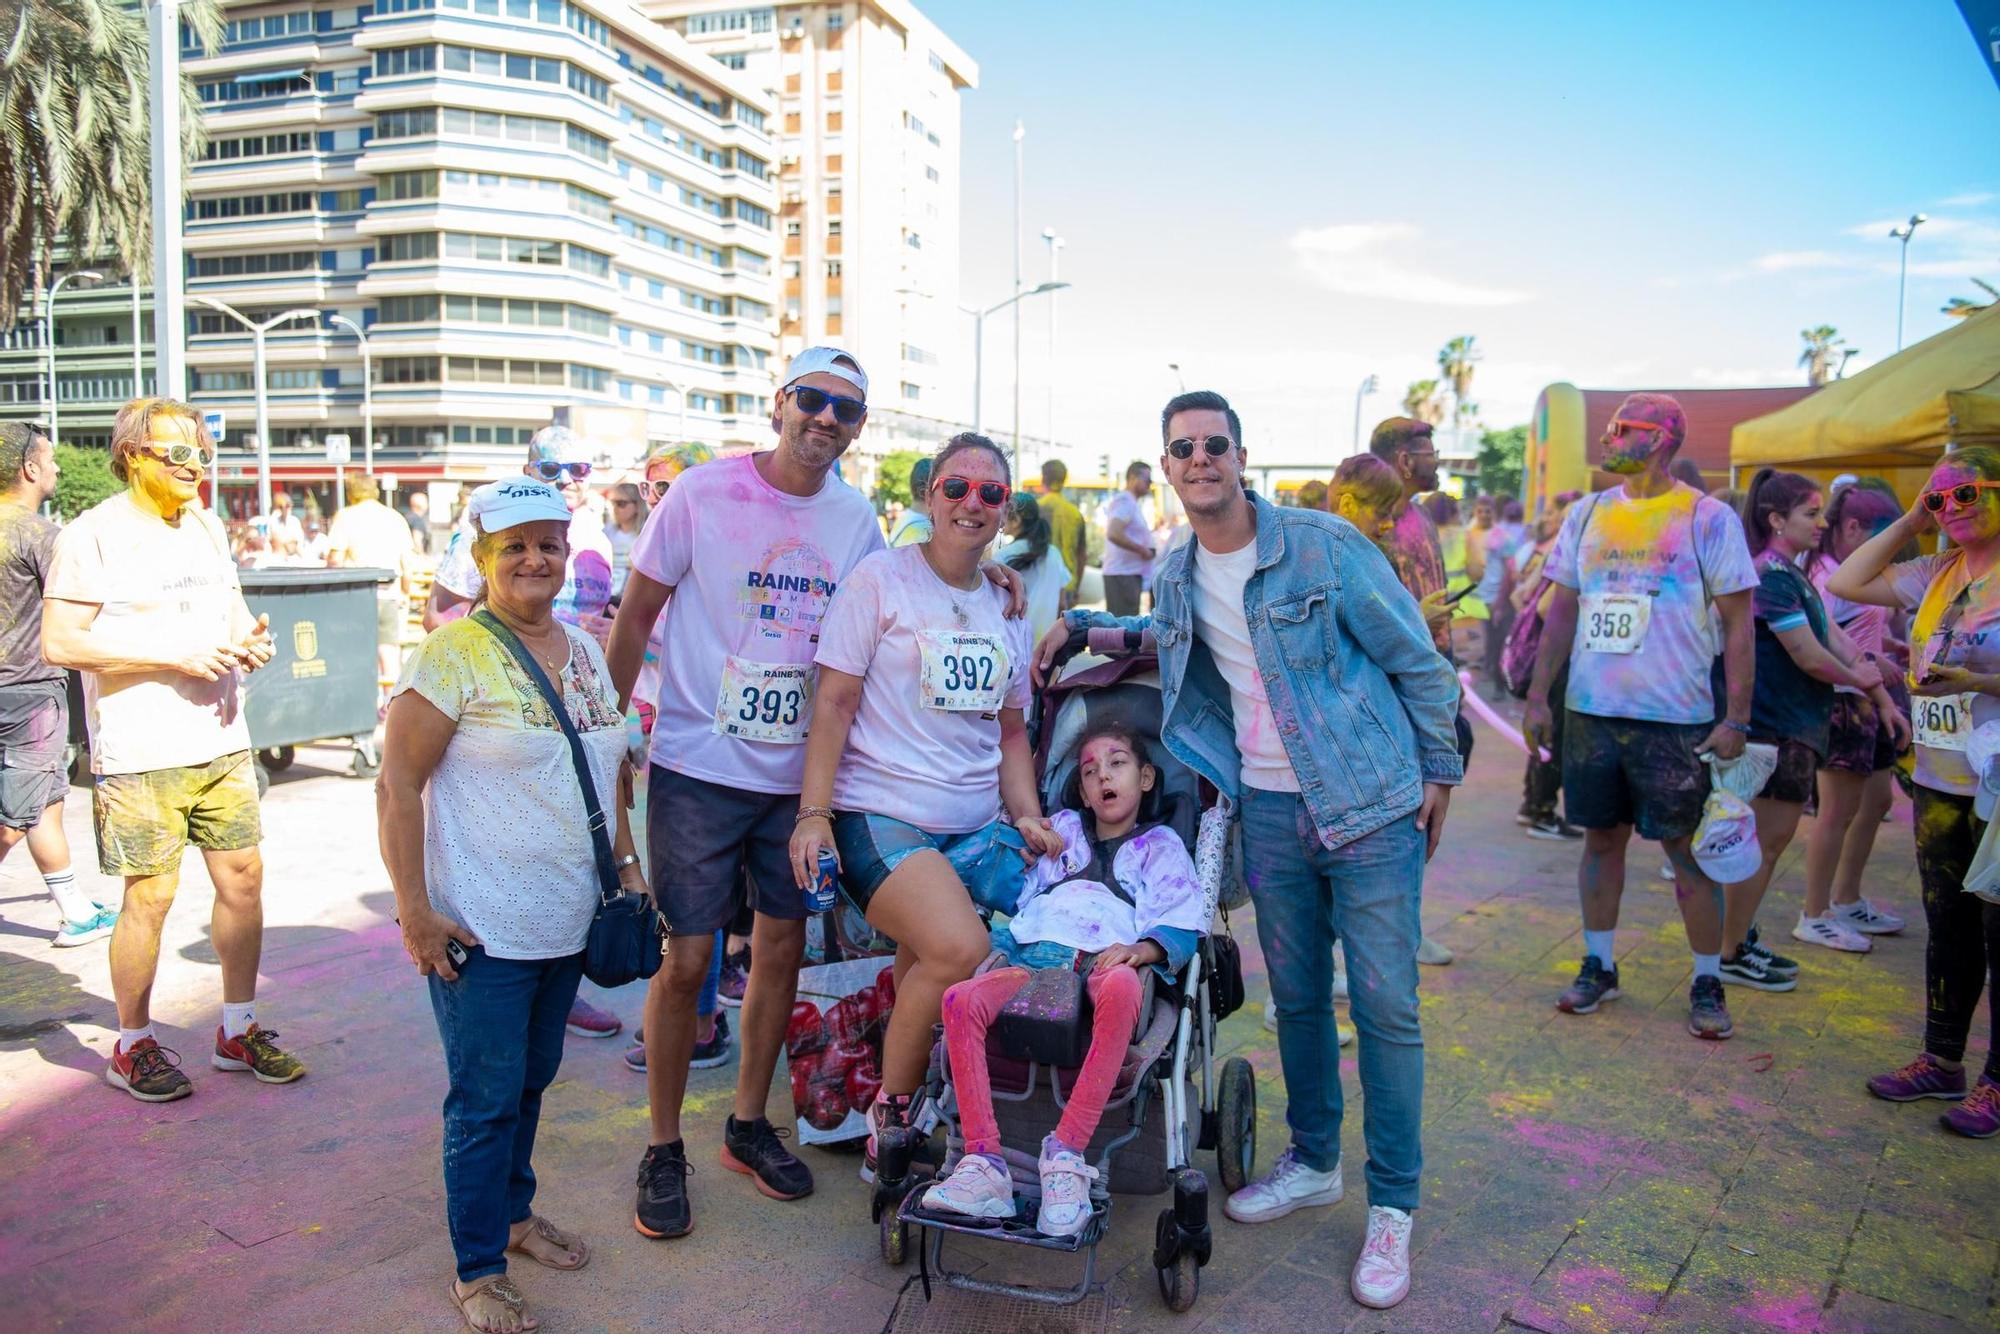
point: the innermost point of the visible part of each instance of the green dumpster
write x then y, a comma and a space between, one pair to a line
321, 682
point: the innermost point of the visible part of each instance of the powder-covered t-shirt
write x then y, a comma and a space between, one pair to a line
1221, 625
1644, 635
937, 665
1786, 703
507, 849
27, 543
1867, 626
172, 590
1414, 549
752, 569
586, 580
1957, 624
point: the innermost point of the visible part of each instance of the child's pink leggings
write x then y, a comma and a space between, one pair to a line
969, 1010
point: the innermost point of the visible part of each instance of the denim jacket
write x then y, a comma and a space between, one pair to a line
1364, 702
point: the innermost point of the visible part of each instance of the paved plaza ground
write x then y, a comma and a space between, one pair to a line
1598, 1173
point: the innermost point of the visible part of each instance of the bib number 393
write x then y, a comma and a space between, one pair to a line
762, 701
1942, 722
1613, 622
963, 672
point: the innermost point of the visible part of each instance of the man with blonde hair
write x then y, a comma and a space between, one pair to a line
144, 600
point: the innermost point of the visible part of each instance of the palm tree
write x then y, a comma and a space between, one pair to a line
1959, 307
1456, 363
75, 165
1423, 401
1819, 356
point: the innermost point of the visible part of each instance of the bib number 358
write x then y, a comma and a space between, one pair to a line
763, 701
1613, 622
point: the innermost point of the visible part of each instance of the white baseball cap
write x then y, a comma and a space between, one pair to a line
516, 500
1725, 845
826, 361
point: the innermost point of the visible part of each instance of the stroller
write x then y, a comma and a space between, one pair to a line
1168, 1100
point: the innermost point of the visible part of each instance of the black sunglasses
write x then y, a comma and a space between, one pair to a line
812, 402
549, 471
1215, 446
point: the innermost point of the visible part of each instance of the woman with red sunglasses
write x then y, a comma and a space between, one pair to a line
918, 773
1955, 676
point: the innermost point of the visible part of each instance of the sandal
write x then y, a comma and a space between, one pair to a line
539, 1226
500, 1293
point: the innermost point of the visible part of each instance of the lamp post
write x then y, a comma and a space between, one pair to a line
1179, 379
979, 361
1020, 133
1903, 233
49, 337
367, 395
1368, 386
138, 343
163, 39
1055, 244
257, 332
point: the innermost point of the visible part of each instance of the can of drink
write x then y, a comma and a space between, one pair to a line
819, 898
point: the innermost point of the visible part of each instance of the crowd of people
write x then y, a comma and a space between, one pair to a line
811, 689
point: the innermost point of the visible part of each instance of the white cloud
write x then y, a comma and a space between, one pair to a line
1348, 258
1973, 200
1785, 261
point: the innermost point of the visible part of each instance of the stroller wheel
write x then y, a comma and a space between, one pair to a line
1180, 1283
895, 1238
1236, 1133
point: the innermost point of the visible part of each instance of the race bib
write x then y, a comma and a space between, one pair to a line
764, 701
1942, 722
1613, 622
963, 672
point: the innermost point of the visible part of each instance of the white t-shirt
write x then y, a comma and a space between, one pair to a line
507, 850
752, 569
374, 535
1045, 579
586, 581
1221, 624
938, 664
1125, 518
1644, 643
170, 588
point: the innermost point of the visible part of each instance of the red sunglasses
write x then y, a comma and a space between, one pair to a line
1620, 427
991, 494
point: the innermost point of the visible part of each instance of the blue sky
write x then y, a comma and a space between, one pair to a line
1285, 197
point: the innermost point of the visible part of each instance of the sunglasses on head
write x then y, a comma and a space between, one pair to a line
991, 494
812, 402
1620, 427
1965, 493
1215, 446
549, 471
180, 456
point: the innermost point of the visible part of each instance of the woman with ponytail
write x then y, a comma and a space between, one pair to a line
1802, 657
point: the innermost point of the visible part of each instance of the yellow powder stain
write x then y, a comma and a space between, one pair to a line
1520, 1103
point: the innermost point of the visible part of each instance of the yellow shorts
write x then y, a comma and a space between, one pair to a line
145, 820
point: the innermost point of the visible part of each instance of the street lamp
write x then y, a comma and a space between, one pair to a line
979, 360
1903, 233
163, 40
1368, 386
1020, 133
367, 396
257, 332
1055, 244
1180, 379
49, 336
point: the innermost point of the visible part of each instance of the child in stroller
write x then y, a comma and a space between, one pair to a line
1121, 896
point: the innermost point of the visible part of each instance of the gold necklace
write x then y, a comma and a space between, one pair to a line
549, 660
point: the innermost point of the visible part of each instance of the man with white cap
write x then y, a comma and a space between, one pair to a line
743, 554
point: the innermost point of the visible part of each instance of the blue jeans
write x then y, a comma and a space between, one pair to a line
1367, 894
501, 1024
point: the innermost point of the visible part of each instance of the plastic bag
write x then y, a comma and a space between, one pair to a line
1725, 842
1982, 878
1745, 775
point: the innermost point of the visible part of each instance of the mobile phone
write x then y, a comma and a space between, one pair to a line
455, 952
1452, 599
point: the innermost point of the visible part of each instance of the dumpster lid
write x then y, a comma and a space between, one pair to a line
308, 578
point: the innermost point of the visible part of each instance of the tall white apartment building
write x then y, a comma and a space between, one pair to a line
529, 205
867, 138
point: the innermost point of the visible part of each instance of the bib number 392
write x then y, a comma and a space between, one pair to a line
1613, 622
1942, 722
762, 701
962, 672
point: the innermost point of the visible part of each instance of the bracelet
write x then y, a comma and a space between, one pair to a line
814, 813
1735, 726
629, 859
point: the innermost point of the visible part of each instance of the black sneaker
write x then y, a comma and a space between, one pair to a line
1594, 985
1708, 1016
1773, 963
735, 978
715, 1051
663, 1209
1747, 967
1549, 828
753, 1148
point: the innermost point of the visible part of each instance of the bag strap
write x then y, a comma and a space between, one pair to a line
609, 889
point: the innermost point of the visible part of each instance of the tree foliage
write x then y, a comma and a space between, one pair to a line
1502, 458
1457, 362
84, 480
1821, 355
75, 148
894, 483
1424, 401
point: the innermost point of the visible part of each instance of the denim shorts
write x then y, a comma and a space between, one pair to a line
988, 860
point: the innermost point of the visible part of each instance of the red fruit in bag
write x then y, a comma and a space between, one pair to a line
847, 1020
885, 987
826, 1107
864, 1081
805, 1030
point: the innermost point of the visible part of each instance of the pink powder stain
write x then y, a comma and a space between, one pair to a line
1800, 1312
1584, 1148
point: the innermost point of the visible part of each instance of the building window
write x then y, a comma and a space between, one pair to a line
250, 206
833, 122
397, 61
833, 227
409, 309
408, 246
406, 370
833, 268
911, 392
257, 145
237, 266
400, 185
931, 174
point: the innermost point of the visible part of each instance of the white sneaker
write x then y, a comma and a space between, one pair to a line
1289, 1185
1667, 871
1382, 1270
1865, 917
1066, 1182
1831, 932
1432, 953
1342, 1031
977, 1188
1339, 974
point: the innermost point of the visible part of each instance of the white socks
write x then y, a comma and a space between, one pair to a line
236, 1019
1599, 944
76, 905
1708, 965
129, 1038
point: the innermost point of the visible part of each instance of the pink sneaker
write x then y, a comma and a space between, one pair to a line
1921, 1078
1382, 1270
1978, 1117
587, 1021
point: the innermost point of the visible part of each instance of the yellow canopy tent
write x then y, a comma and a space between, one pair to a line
1895, 417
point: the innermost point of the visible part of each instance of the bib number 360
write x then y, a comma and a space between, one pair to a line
1942, 722
1613, 622
963, 672
763, 701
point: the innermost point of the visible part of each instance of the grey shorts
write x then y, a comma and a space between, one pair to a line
391, 614
1121, 593
704, 839
34, 751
